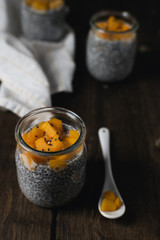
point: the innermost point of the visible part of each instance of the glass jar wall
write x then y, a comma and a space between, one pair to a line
47, 178
111, 45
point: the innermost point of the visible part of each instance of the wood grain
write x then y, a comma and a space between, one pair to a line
131, 110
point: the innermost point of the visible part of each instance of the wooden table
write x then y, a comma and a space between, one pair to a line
131, 110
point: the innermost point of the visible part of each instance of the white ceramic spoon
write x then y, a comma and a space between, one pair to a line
109, 183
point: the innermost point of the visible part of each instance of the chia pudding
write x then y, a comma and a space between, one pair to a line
42, 23
51, 179
110, 54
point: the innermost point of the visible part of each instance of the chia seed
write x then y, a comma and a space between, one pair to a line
43, 25
110, 60
49, 188
41, 182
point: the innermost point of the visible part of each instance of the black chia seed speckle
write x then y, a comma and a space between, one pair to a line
49, 25
110, 60
49, 188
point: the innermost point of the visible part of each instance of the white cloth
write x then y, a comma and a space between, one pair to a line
30, 71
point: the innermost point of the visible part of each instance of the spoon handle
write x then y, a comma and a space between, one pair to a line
104, 137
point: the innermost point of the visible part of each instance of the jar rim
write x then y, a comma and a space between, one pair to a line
59, 110
122, 14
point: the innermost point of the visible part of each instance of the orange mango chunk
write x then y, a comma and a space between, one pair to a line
57, 124
56, 144
49, 130
28, 161
37, 159
39, 125
74, 134
110, 195
40, 5
32, 136
110, 202
49, 136
42, 145
57, 164
44, 4
118, 202
55, 4
50, 146
108, 205
70, 139
115, 25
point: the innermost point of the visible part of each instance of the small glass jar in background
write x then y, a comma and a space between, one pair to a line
43, 24
42, 184
110, 54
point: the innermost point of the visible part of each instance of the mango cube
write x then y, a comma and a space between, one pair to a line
118, 202
55, 3
108, 205
57, 164
70, 139
57, 124
109, 195
40, 5
74, 134
110, 202
48, 130
28, 161
41, 145
32, 136
56, 144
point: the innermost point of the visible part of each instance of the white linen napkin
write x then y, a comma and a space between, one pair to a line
30, 71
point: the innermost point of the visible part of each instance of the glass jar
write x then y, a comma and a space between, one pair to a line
48, 25
41, 184
110, 54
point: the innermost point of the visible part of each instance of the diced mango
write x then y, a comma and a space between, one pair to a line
118, 202
49, 130
55, 4
50, 136
57, 124
58, 164
68, 141
50, 146
40, 5
42, 145
110, 202
37, 159
44, 4
28, 161
56, 144
108, 205
40, 124
74, 134
114, 24
33, 135
109, 195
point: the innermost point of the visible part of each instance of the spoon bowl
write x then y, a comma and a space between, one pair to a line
109, 183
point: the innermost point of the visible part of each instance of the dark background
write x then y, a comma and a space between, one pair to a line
148, 49
131, 110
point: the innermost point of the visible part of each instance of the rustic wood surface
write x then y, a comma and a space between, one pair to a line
131, 110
